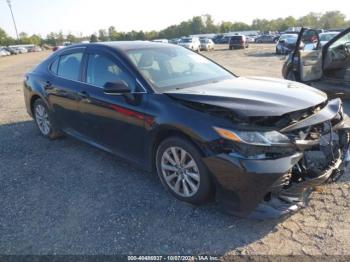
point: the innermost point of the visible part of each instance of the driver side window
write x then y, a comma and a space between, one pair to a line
101, 70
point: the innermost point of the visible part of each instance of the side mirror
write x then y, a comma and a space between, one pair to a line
115, 88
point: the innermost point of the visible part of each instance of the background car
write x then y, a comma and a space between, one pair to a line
286, 43
327, 36
207, 44
11, 50
191, 43
224, 39
266, 39
324, 67
21, 50
3, 52
238, 41
174, 41
57, 47
216, 39
250, 39
160, 40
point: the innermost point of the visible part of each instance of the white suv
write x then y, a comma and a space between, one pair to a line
191, 43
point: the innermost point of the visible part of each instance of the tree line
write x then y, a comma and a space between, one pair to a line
196, 25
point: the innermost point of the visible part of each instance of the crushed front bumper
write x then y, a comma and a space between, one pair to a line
268, 188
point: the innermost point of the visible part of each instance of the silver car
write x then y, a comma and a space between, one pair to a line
207, 44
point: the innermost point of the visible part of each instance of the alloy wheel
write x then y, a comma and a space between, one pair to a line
180, 171
42, 119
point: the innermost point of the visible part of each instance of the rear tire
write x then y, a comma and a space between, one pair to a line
44, 120
182, 172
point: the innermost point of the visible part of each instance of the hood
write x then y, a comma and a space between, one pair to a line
253, 96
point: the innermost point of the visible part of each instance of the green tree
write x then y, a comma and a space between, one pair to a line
197, 25
60, 38
93, 38
71, 38
310, 20
35, 40
332, 19
210, 27
102, 35
113, 34
51, 39
225, 27
3, 37
239, 26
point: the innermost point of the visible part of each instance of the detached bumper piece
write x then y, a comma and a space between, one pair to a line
294, 196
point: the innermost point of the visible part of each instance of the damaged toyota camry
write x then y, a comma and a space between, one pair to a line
255, 145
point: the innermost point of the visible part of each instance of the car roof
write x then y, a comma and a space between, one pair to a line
131, 45
124, 46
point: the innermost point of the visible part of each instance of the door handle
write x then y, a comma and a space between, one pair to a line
84, 94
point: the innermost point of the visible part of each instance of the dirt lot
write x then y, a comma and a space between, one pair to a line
65, 197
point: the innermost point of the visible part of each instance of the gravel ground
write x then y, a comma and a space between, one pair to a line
66, 197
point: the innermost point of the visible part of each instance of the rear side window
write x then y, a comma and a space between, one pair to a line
69, 66
54, 66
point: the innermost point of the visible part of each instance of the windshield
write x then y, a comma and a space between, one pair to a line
327, 37
204, 40
175, 67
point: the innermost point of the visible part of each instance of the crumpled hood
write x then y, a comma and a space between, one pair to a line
253, 96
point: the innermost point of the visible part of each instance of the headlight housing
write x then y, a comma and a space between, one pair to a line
269, 138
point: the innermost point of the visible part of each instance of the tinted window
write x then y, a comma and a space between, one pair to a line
101, 70
69, 66
236, 38
54, 65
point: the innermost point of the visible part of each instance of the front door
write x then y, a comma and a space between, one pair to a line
116, 122
310, 56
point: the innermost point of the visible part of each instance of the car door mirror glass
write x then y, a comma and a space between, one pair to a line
118, 87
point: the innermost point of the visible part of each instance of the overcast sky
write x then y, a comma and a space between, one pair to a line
87, 16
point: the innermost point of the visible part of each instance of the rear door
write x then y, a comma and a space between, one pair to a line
64, 89
310, 55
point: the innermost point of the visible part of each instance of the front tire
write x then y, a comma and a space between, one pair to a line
182, 172
44, 120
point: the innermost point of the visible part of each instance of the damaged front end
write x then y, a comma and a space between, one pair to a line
271, 180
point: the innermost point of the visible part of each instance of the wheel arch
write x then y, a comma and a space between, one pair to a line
34, 98
165, 132
32, 101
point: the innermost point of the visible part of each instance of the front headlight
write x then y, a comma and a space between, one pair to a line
253, 137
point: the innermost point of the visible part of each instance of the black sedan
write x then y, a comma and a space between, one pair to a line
256, 145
